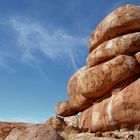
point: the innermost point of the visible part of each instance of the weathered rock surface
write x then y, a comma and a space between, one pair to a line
86, 85
97, 81
122, 21
21, 131
7, 127
106, 91
56, 123
76, 101
63, 109
39, 133
126, 44
117, 88
121, 108
90, 136
137, 55
72, 120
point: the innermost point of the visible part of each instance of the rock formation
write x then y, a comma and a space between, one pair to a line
111, 113
106, 90
22, 131
122, 21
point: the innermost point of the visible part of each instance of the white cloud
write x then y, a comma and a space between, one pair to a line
57, 45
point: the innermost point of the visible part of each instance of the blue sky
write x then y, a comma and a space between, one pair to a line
42, 42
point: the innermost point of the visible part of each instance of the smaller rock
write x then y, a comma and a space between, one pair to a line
70, 132
137, 55
14, 134
98, 134
40, 133
72, 120
56, 123
63, 109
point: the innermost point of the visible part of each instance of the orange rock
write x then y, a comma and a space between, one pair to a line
63, 109
77, 101
99, 80
56, 123
125, 44
137, 55
117, 88
121, 108
124, 20
72, 120
87, 85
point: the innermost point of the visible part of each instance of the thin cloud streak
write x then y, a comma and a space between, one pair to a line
56, 45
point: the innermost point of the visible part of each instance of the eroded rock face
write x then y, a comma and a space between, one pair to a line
124, 20
87, 85
111, 113
76, 101
137, 55
106, 89
126, 44
99, 80
28, 132
56, 123
63, 108
72, 120
89, 136
40, 133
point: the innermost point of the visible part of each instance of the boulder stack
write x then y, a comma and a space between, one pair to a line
107, 90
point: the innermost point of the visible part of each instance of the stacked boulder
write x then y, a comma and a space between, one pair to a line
107, 90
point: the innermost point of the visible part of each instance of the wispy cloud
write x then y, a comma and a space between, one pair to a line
34, 40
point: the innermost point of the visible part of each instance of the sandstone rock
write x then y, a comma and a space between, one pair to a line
4, 131
7, 127
39, 133
86, 85
106, 91
14, 134
124, 20
117, 88
110, 114
137, 55
23, 131
63, 109
123, 84
70, 132
72, 120
125, 44
97, 81
43, 133
123, 134
76, 100
56, 123
90, 136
